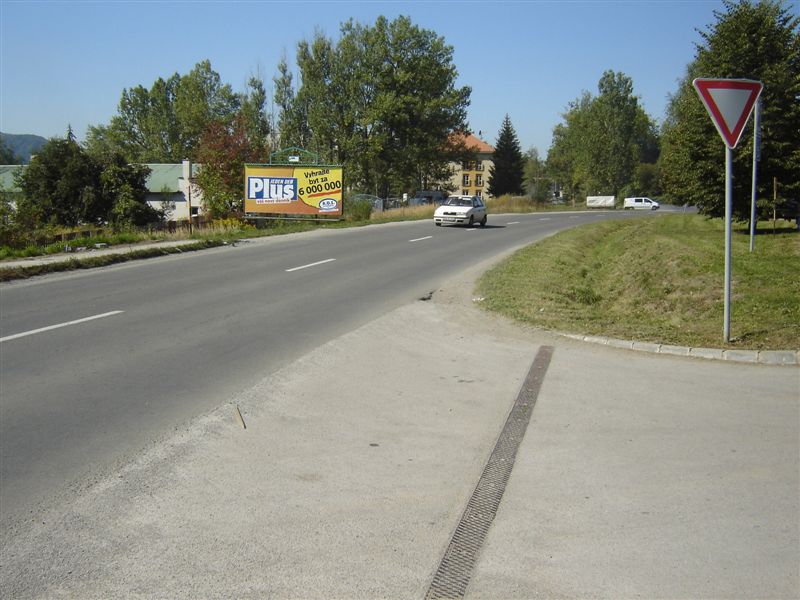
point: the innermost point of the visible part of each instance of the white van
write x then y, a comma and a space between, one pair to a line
640, 204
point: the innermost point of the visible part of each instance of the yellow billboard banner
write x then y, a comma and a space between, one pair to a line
293, 190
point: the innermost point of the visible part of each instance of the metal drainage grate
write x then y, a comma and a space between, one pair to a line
454, 572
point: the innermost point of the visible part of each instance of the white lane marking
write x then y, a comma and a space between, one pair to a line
513, 223
8, 338
575, 217
544, 218
314, 264
472, 229
427, 237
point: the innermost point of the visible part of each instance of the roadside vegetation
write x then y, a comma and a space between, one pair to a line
655, 280
58, 240
89, 261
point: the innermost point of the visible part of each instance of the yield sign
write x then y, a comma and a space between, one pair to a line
729, 102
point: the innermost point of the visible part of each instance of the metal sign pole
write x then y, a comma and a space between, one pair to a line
729, 103
756, 158
726, 333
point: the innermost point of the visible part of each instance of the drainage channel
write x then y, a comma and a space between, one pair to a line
455, 570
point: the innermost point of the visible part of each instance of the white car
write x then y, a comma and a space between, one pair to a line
461, 210
640, 204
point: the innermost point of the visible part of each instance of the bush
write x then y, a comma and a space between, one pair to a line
357, 210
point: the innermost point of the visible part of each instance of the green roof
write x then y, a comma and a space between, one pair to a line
7, 177
166, 176
161, 176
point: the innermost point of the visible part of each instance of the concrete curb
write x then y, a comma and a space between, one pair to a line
762, 357
88, 253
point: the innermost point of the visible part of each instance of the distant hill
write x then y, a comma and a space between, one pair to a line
23, 145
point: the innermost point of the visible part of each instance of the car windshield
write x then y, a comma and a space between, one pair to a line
458, 202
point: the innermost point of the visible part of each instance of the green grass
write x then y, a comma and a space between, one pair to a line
656, 279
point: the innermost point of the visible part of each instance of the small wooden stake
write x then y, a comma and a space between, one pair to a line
239, 417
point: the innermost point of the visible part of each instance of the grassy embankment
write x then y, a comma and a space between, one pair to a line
658, 280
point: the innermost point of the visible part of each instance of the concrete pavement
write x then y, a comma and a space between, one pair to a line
640, 475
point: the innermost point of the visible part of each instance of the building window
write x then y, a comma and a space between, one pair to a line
465, 192
465, 180
464, 166
479, 166
478, 179
478, 194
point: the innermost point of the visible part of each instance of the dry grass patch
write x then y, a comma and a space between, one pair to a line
406, 213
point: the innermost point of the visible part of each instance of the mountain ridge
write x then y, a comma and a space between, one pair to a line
23, 144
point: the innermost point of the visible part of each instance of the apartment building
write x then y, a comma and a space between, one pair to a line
470, 178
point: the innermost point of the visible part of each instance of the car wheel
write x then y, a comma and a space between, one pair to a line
438, 224
483, 221
471, 221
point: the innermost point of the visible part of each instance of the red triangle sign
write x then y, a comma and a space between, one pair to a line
729, 102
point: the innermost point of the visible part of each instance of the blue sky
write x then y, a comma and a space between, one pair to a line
68, 62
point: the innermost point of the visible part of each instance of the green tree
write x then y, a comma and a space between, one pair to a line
224, 150
646, 181
58, 184
507, 170
165, 123
536, 179
254, 118
382, 101
292, 113
123, 189
200, 99
65, 185
752, 40
603, 140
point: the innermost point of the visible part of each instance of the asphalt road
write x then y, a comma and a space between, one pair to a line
158, 342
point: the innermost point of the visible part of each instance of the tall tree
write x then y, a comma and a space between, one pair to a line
536, 179
65, 185
382, 100
165, 123
224, 150
59, 186
603, 140
254, 117
507, 170
292, 113
752, 40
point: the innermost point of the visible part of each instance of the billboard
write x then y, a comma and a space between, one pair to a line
293, 190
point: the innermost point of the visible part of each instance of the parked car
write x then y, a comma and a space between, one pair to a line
461, 210
428, 197
640, 204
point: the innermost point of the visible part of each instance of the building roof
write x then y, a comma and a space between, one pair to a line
473, 142
7, 177
164, 177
